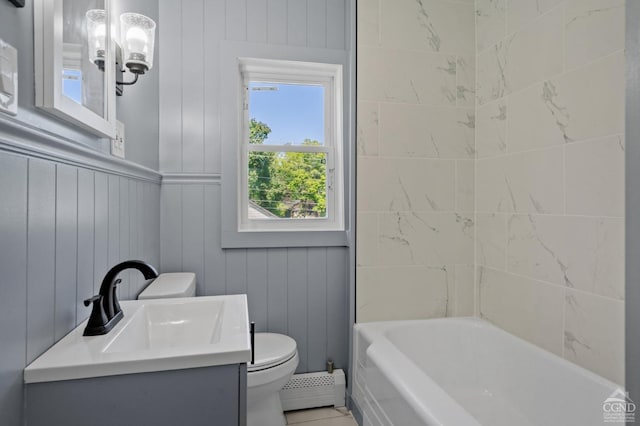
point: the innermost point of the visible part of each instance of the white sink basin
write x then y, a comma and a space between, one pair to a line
154, 335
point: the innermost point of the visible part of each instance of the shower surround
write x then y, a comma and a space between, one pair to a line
416, 125
516, 169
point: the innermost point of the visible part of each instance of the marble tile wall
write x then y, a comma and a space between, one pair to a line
416, 159
550, 175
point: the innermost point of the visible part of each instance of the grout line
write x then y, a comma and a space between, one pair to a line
476, 284
558, 75
556, 285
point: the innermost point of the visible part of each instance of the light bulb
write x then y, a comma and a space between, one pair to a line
96, 35
138, 37
137, 41
99, 33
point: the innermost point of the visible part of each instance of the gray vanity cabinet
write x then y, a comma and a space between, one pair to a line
190, 397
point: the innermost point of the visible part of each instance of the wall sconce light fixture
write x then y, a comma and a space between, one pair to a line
137, 37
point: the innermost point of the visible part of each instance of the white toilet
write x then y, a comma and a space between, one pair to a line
275, 357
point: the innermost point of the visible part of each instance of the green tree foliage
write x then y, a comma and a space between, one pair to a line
260, 165
290, 184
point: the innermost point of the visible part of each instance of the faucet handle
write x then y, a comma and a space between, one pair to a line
114, 298
92, 299
98, 318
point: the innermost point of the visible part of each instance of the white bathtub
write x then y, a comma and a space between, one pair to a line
465, 371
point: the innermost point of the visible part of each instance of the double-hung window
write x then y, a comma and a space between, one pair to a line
290, 171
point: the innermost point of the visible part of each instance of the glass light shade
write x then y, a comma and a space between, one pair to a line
137, 36
97, 35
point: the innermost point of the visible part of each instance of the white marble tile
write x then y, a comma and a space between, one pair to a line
368, 22
522, 12
366, 239
527, 308
585, 104
406, 184
429, 132
491, 188
535, 119
594, 334
535, 53
406, 76
368, 128
394, 293
491, 83
431, 239
491, 24
595, 177
464, 291
491, 240
465, 185
608, 276
522, 58
491, 129
466, 81
593, 28
529, 182
578, 252
592, 98
534, 181
430, 25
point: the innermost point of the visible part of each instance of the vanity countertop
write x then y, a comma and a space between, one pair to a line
154, 335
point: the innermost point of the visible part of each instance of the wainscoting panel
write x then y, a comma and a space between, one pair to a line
301, 292
61, 228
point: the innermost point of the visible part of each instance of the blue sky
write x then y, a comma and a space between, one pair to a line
293, 112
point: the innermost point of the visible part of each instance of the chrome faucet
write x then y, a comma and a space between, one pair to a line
106, 310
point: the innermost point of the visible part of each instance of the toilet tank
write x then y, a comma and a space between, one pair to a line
171, 285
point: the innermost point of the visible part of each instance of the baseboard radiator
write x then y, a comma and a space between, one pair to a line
312, 390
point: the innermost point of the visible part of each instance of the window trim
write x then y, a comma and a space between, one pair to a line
230, 85
295, 72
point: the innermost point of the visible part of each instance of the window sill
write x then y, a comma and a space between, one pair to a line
272, 239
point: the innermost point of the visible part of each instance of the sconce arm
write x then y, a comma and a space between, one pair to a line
129, 83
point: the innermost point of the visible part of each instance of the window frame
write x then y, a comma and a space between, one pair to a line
229, 91
328, 76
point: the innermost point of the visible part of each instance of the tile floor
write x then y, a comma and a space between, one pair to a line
321, 417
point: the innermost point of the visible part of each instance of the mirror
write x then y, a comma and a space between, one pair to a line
69, 84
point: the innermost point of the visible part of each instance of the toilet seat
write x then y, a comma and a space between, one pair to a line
271, 350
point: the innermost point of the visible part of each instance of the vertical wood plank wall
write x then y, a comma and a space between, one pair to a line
301, 292
61, 227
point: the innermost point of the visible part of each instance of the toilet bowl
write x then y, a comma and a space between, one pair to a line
275, 355
276, 359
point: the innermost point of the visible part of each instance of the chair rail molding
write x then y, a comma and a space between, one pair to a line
24, 139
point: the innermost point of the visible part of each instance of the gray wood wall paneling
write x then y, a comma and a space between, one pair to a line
170, 112
193, 237
317, 23
61, 227
215, 30
86, 217
301, 292
277, 21
123, 249
236, 16
66, 249
41, 249
13, 284
297, 291
192, 87
256, 22
297, 23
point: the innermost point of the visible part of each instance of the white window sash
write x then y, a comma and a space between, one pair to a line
307, 74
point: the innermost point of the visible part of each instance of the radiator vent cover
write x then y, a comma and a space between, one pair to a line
312, 390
